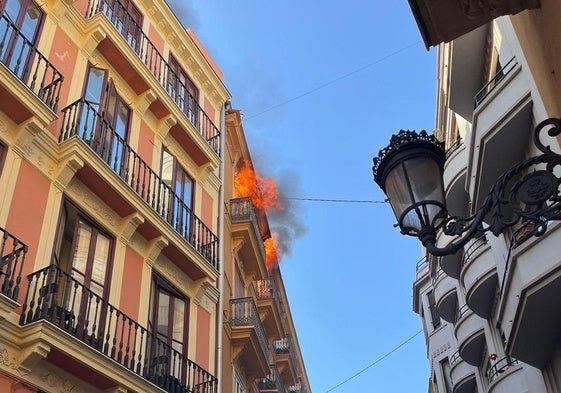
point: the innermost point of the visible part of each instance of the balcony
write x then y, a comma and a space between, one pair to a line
462, 375
530, 309
88, 330
286, 360
272, 382
268, 303
29, 83
132, 47
445, 296
250, 227
479, 277
506, 375
82, 120
12, 259
470, 334
502, 125
248, 337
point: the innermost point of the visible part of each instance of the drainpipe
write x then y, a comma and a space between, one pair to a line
220, 319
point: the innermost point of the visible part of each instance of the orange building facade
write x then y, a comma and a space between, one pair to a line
111, 133
261, 352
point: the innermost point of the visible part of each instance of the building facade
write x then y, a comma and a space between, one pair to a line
261, 350
110, 154
491, 312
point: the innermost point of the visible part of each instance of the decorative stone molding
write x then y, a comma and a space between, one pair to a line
94, 38
129, 228
165, 125
144, 101
67, 171
96, 207
155, 247
30, 356
207, 297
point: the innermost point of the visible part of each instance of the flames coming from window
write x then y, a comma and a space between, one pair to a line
264, 196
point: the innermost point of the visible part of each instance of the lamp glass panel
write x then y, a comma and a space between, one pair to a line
397, 191
425, 176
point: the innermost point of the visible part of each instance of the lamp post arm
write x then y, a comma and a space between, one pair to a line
534, 198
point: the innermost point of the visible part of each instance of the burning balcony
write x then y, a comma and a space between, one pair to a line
151, 59
12, 259
31, 68
272, 382
248, 337
55, 300
250, 225
82, 120
286, 359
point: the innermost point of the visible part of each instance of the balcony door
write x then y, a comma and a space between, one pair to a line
106, 119
19, 30
169, 313
180, 203
183, 91
84, 251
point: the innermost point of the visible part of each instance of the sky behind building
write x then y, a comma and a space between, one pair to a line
322, 87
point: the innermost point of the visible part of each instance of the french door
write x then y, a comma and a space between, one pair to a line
169, 314
106, 119
19, 28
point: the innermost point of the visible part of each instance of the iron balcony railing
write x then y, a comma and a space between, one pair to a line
21, 57
243, 312
461, 312
473, 248
500, 367
490, 86
12, 259
147, 52
266, 289
82, 119
56, 297
242, 210
271, 382
284, 347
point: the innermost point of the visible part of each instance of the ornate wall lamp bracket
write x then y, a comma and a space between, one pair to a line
410, 171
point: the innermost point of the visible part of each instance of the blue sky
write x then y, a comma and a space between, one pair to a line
322, 87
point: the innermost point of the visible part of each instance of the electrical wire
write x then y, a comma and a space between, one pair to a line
335, 200
374, 363
306, 93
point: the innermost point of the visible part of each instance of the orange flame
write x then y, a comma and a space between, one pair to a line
272, 253
262, 190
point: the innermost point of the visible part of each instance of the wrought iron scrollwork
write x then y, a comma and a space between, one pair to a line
532, 198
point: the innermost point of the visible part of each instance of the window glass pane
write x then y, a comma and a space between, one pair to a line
100, 259
178, 320
80, 258
167, 168
163, 314
31, 21
94, 87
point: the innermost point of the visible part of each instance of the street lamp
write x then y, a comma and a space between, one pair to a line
409, 171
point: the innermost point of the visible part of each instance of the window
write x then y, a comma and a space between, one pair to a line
126, 18
239, 386
445, 367
168, 321
105, 119
179, 206
20, 24
85, 252
432, 307
183, 91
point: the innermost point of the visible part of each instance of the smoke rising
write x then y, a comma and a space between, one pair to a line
185, 12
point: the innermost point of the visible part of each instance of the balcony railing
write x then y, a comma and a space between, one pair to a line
500, 367
21, 57
272, 382
489, 86
242, 209
284, 347
243, 312
473, 248
56, 297
147, 52
12, 258
82, 119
